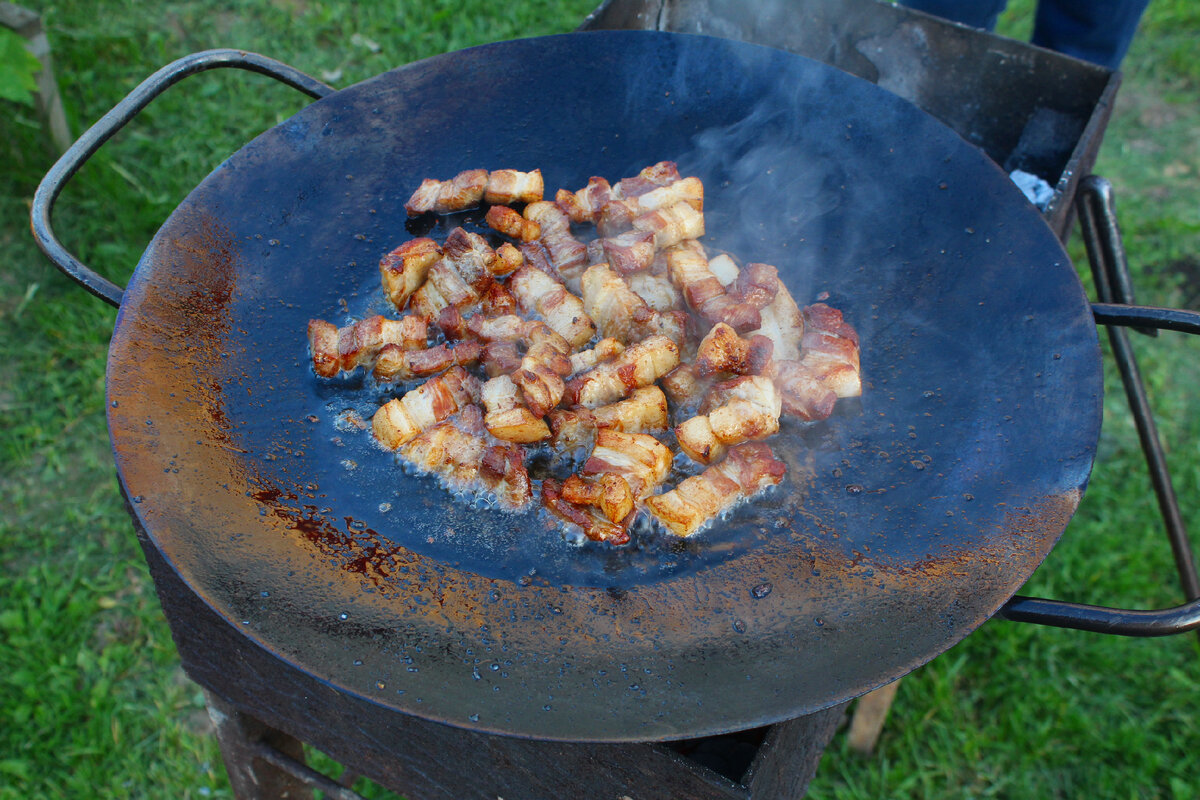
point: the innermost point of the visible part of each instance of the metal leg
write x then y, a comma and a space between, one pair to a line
1106, 254
251, 776
788, 758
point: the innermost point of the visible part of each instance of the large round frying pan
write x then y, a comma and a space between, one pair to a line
906, 520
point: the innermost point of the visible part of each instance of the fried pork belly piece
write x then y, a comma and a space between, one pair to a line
463, 191
584, 205
724, 268
639, 458
830, 349
542, 343
696, 501
640, 365
508, 186
743, 409
671, 225
537, 292
402, 419
568, 254
803, 393
604, 350
614, 219
404, 269
460, 279
500, 358
783, 324
688, 269
828, 368
595, 526
615, 309
508, 260
722, 350
684, 385
629, 252
342, 349
664, 173
657, 290
457, 452
644, 411
607, 492
684, 190
504, 220
396, 363
506, 415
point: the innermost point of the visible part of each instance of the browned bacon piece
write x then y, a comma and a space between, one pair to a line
583, 206
803, 393
657, 290
615, 218
537, 292
457, 452
500, 358
507, 186
698, 500
644, 411
604, 350
615, 309
508, 260
688, 268
504, 220
542, 343
671, 225
742, 409
463, 191
830, 349
460, 279
402, 419
506, 415
828, 368
404, 269
639, 458
722, 350
568, 254
595, 526
541, 386
342, 349
395, 363
664, 173
608, 492
627, 253
640, 365
783, 324
684, 190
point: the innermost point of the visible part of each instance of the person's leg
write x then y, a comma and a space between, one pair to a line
976, 13
1099, 32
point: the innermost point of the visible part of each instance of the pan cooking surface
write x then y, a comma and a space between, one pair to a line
905, 520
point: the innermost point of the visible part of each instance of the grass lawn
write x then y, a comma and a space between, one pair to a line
92, 701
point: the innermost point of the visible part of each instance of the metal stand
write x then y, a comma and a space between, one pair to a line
264, 710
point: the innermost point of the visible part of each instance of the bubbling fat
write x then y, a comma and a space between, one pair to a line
613, 266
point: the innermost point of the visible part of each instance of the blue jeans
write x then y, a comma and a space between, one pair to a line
1095, 30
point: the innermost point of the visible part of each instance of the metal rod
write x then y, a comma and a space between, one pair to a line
1098, 619
1174, 319
303, 772
1111, 273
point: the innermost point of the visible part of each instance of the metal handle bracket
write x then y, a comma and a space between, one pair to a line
108, 125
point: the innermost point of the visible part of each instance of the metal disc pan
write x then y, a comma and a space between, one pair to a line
906, 520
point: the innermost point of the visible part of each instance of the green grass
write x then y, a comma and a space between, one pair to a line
92, 700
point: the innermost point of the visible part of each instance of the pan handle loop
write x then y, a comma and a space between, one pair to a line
87, 145
1106, 254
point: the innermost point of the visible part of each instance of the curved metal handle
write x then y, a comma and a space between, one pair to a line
1097, 215
87, 145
